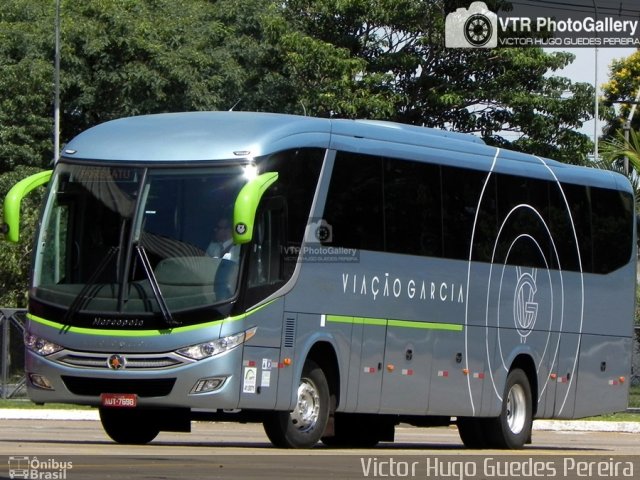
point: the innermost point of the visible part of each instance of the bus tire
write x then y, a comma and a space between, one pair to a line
303, 427
474, 432
512, 429
129, 426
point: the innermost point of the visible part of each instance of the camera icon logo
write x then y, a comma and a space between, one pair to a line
319, 231
475, 27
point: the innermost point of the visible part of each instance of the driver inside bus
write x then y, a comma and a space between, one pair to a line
221, 245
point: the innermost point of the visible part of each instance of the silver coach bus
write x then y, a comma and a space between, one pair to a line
328, 278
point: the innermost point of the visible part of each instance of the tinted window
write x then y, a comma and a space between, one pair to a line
412, 208
460, 195
298, 174
417, 208
486, 231
579, 199
563, 222
522, 209
612, 220
354, 202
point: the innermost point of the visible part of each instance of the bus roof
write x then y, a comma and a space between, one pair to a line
211, 136
199, 136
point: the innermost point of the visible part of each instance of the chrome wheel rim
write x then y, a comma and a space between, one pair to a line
516, 409
305, 416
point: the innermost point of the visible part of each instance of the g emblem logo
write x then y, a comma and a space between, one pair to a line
525, 310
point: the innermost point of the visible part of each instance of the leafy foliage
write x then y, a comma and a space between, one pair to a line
123, 57
496, 93
623, 84
26, 74
614, 150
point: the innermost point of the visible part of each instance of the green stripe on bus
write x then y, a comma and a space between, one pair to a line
140, 333
381, 322
426, 325
339, 319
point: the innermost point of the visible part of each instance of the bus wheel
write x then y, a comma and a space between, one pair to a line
473, 432
303, 427
512, 428
129, 426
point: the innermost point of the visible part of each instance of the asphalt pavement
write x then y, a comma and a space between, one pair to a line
542, 425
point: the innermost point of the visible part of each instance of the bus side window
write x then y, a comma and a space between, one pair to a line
354, 207
265, 272
56, 251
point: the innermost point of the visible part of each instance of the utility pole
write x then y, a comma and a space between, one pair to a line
627, 128
56, 101
596, 113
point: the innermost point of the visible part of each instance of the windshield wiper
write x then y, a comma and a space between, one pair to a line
153, 282
84, 296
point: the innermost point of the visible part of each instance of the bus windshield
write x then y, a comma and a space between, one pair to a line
122, 240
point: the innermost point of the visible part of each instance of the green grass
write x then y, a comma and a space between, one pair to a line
616, 417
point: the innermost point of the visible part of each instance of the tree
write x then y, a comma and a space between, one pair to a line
123, 58
490, 92
347, 58
26, 75
614, 150
623, 84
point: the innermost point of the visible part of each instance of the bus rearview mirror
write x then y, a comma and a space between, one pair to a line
11, 209
246, 205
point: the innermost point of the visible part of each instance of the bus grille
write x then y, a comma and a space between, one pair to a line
93, 387
289, 332
133, 361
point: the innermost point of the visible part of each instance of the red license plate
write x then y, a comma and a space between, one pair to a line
118, 400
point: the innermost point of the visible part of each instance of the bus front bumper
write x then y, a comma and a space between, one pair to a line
156, 380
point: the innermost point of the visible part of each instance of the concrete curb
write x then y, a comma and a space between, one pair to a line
550, 425
586, 426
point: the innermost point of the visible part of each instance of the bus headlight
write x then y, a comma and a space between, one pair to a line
40, 346
216, 347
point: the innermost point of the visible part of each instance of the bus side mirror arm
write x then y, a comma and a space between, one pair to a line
246, 205
11, 209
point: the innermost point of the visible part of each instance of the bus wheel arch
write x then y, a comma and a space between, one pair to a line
324, 355
511, 429
525, 363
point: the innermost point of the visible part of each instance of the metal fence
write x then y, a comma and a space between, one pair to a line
635, 365
12, 381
